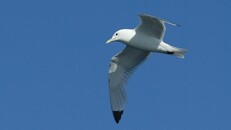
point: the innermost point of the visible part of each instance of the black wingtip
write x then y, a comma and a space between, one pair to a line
178, 25
117, 115
146, 15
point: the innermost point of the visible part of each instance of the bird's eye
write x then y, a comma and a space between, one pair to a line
116, 34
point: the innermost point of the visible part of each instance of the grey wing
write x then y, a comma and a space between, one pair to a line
121, 67
153, 26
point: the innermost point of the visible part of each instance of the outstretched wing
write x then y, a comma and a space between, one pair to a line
121, 67
153, 26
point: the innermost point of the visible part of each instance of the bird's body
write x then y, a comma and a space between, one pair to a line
137, 38
140, 42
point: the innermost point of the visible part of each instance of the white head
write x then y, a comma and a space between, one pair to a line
123, 35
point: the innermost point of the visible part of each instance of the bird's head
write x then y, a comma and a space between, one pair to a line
123, 35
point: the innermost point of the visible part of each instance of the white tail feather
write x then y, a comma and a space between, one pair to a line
179, 52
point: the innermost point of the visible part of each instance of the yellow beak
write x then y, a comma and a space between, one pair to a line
109, 41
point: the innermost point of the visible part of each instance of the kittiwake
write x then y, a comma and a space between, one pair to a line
140, 42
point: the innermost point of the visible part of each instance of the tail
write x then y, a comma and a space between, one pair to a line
179, 52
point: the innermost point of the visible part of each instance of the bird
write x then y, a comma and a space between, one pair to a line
140, 42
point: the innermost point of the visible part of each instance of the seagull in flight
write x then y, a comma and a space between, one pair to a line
146, 38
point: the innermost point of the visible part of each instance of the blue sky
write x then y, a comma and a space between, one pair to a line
54, 66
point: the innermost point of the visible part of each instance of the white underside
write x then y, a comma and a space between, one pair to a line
153, 44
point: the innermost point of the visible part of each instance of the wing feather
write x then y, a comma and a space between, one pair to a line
121, 67
153, 26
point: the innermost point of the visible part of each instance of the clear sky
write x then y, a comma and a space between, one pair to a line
54, 66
